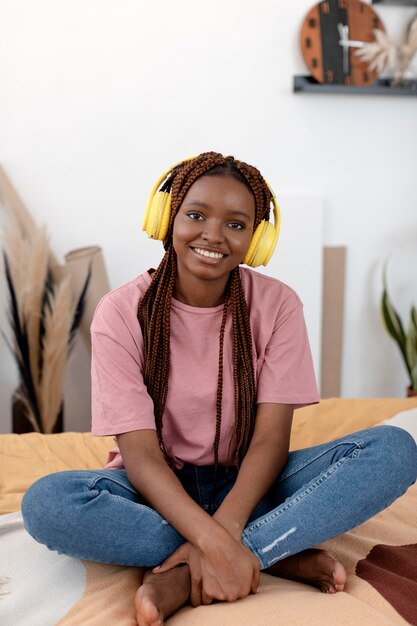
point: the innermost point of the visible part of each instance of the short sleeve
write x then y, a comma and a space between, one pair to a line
286, 374
120, 401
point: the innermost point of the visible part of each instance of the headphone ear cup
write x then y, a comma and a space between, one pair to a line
262, 245
165, 215
157, 216
254, 242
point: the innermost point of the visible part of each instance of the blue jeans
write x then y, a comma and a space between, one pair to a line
322, 492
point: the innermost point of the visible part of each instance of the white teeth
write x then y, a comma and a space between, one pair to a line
211, 255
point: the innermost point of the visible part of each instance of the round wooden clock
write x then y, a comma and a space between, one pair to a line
330, 34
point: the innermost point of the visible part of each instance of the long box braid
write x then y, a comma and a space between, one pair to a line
155, 307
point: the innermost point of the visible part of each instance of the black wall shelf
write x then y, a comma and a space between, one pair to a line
404, 3
382, 87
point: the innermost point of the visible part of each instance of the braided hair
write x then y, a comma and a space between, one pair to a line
155, 306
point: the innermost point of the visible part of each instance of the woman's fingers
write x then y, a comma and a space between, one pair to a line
177, 557
206, 598
229, 571
212, 576
196, 590
195, 577
186, 554
256, 578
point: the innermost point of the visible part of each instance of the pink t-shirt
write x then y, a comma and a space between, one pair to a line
120, 401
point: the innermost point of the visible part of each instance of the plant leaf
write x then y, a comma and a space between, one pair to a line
411, 350
414, 378
413, 316
393, 323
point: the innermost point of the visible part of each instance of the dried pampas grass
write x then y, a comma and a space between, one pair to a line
43, 319
383, 54
58, 321
15, 248
32, 300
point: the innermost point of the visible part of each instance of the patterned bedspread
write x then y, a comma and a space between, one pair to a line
48, 589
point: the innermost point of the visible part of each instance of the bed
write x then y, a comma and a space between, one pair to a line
43, 588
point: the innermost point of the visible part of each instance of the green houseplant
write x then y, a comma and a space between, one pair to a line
406, 339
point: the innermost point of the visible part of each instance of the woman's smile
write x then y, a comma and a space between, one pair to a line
208, 255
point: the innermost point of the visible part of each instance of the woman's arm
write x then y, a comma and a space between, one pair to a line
149, 473
221, 567
265, 458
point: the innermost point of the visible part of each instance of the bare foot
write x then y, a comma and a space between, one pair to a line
314, 567
161, 595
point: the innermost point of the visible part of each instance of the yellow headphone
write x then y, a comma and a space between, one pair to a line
158, 213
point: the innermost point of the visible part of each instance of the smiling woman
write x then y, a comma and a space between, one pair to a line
197, 367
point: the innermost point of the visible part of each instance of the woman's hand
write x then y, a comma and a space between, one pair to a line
186, 554
223, 570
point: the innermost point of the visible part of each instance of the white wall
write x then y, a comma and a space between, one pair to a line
96, 97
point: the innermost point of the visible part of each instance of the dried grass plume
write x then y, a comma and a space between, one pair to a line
44, 317
384, 55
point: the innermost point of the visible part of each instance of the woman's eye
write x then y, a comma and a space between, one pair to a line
236, 225
195, 216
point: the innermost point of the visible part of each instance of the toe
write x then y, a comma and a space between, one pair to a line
147, 613
330, 588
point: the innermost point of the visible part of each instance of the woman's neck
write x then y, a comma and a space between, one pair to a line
204, 294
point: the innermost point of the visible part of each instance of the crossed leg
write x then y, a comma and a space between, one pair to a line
322, 492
